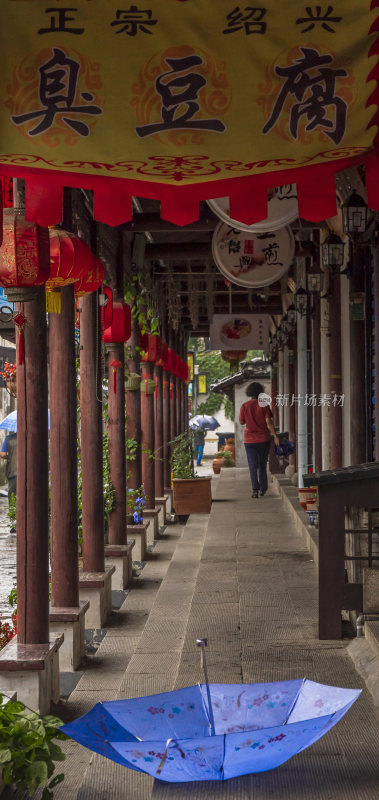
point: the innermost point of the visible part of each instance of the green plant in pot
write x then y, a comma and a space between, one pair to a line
227, 457
192, 494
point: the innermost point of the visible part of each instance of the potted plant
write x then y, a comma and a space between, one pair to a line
230, 447
192, 495
217, 462
136, 501
228, 459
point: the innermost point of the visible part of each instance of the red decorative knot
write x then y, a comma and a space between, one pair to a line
115, 364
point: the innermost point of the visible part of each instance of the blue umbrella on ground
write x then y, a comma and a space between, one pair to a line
212, 732
9, 423
203, 421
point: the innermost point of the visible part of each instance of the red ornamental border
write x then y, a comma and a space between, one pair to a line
180, 204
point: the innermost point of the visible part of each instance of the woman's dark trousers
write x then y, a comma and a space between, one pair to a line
257, 455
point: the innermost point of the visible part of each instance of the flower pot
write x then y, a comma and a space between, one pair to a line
192, 495
230, 448
217, 463
132, 382
305, 495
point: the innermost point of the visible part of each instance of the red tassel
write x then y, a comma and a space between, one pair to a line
114, 381
21, 346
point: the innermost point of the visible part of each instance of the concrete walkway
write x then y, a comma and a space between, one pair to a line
244, 579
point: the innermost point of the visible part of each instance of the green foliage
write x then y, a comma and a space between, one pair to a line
12, 510
108, 488
214, 367
136, 297
28, 750
228, 408
136, 501
182, 456
131, 449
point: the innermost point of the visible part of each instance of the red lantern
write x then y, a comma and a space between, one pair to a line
93, 280
70, 259
106, 310
152, 345
24, 253
170, 360
162, 360
234, 356
120, 329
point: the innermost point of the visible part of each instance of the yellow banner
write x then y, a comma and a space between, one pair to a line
184, 92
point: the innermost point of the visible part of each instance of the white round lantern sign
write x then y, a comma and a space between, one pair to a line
252, 259
282, 210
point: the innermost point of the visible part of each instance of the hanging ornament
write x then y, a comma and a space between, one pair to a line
24, 254
233, 357
93, 279
70, 259
20, 321
115, 364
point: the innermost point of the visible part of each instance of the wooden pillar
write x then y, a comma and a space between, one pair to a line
335, 364
172, 406
166, 430
316, 384
63, 455
32, 478
91, 436
147, 436
178, 405
158, 434
133, 413
117, 450
274, 392
376, 312
291, 407
357, 370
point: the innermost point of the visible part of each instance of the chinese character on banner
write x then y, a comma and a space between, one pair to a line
178, 88
249, 20
318, 16
59, 22
133, 20
58, 86
309, 81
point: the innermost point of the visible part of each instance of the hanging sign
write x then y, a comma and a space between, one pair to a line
252, 259
202, 384
282, 210
230, 332
186, 101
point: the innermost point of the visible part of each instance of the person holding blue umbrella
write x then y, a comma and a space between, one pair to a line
9, 453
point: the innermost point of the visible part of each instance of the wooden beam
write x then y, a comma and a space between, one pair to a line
153, 223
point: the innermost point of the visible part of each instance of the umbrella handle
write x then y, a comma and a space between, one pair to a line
203, 643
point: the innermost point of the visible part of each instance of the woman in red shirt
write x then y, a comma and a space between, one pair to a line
259, 425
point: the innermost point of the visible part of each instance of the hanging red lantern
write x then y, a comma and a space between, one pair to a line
171, 360
120, 329
24, 253
234, 356
162, 360
70, 259
106, 307
93, 279
152, 347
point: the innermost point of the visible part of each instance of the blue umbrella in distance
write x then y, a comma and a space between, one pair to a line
203, 421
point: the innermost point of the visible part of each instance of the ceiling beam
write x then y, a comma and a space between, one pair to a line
178, 252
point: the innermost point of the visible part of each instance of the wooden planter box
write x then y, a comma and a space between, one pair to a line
192, 496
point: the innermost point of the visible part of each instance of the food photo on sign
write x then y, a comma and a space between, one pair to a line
233, 332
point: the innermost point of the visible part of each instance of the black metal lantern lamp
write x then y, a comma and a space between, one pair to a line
333, 252
301, 301
354, 214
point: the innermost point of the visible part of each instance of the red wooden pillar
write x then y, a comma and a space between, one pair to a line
63, 455
32, 477
172, 406
158, 434
117, 450
335, 365
91, 436
274, 392
166, 430
178, 397
133, 413
147, 436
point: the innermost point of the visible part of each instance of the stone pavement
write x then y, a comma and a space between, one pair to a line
242, 578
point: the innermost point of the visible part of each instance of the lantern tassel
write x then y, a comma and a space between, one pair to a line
21, 346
